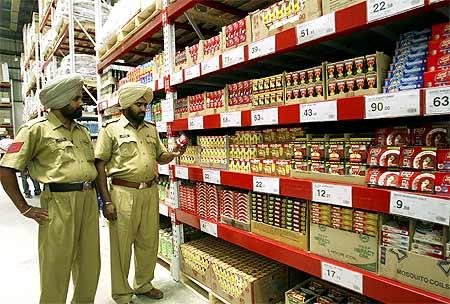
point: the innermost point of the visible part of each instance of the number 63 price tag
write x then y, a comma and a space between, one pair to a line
437, 101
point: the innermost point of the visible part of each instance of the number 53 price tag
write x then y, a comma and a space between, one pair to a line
343, 277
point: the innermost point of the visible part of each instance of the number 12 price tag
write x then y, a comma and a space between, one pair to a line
342, 277
332, 194
437, 101
379, 9
266, 184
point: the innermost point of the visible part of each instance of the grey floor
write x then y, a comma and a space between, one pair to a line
19, 272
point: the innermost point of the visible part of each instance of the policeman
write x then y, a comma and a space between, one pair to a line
127, 150
59, 154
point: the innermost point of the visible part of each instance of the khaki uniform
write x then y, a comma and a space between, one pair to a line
130, 155
69, 240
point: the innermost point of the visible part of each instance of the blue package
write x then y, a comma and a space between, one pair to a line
410, 57
425, 31
412, 42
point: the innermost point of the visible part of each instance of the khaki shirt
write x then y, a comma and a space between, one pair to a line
53, 153
130, 153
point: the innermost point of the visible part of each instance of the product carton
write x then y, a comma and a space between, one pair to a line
295, 239
329, 6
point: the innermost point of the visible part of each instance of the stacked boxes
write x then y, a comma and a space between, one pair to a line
237, 33
215, 102
442, 176
165, 248
409, 62
268, 91
163, 189
207, 201
239, 95
180, 60
195, 53
213, 46
305, 86
197, 104
235, 208
190, 156
438, 63
213, 151
188, 197
181, 108
395, 233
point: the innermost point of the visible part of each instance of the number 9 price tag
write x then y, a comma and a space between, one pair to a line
437, 101
342, 277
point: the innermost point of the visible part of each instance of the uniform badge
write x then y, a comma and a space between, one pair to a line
15, 147
124, 135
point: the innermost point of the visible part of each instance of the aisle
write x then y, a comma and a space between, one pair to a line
19, 282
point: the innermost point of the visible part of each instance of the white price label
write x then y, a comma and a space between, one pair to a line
316, 28
318, 111
342, 277
152, 85
265, 117
163, 210
161, 126
176, 78
379, 9
210, 65
230, 119
181, 172
192, 72
266, 184
163, 169
160, 83
261, 48
437, 101
167, 112
420, 207
399, 104
211, 176
332, 194
195, 123
233, 56
208, 227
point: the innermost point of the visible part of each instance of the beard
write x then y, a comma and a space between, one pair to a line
137, 118
71, 112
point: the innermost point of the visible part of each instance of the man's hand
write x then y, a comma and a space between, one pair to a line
38, 214
179, 151
109, 211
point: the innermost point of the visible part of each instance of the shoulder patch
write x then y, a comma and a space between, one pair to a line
110, 121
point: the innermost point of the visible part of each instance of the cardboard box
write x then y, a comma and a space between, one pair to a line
237, 33
347, 179
436, 78
329, 6
268, 287
195, 53
420, 271
285, 236
262, 29
345, 246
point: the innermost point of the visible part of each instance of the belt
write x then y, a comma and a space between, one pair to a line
69, 187
124, 183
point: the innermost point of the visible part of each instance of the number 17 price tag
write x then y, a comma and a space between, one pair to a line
343, 277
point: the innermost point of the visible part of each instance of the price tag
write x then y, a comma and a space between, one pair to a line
163, 169
192, 72
265, 117
163, 210
332, 194
318, 111
399, 104
176, 78
379, 9
230, 119
181, 172
233, 56
195, 123
262, 47
342, 277
437, 101
167, 112
211, 176
316, 28
208, 227
152, 85
420, 207
266, 184
161, 127
161, 83
210, 65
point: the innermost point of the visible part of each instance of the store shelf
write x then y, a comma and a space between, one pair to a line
347, 21
46, 15
165, 260
165, 210
6, 126
374, 286
361, 197
5, 85
5, 105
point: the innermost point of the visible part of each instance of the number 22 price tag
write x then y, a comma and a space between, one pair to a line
379, 9
266, 184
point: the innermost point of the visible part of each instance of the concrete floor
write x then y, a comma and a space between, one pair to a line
19, 278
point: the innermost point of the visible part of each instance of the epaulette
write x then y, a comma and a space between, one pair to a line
110, 121
32, 122
151, 122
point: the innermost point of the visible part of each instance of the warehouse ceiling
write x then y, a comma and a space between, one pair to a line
13, 15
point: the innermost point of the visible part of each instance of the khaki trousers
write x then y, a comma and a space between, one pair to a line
137, 225
69, 244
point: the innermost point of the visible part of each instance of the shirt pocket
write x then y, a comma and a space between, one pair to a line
62, 149
88, 150
127, 147
152, 145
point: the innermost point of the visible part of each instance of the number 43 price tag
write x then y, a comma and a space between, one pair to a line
437, 101
343, 277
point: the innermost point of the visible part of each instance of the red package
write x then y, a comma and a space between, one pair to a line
442, 183
443, 159
437, 78
384, 156
441, 30
382, 177
318, 166
441, 46
438, 62
430, 136
421, 158
398, 136
417, 181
